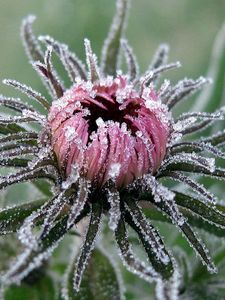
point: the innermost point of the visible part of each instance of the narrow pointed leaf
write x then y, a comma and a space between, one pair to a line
72, 64
216, 139
165, 269
132, 263
198, 188
30, 41
31, 259
209, 213
184, 167
160, 57
190, 235
111, 48
88, 245
15, 104
28, 91
131, 60
13, 217
100, 281
194, 216
14, 162
92, 63
11, 128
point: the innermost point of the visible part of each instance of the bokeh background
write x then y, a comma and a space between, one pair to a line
188, 26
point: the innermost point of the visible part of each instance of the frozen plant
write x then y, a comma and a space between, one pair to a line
105, 145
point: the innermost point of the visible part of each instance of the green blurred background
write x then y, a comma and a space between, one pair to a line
189, 26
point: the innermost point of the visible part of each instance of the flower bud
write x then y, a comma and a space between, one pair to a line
109, 130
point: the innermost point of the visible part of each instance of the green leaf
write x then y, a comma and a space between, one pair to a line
14, 162
12, 218
88, 244
200, 223
140, 225
190, 235
214, 290
199, 274
100, 281
111, 49
31, 44
46, 245
43, 186
210, 213
10, 128
199, 214
213, 97
41, 289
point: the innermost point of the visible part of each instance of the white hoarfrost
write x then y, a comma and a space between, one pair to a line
114, 170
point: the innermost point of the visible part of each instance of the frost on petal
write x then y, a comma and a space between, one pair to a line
108, 129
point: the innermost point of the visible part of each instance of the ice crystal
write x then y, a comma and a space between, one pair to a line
105, 144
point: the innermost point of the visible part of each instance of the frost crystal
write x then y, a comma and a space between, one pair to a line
114, 170
105, 145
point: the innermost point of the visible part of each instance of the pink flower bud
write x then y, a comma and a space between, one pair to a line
108, 130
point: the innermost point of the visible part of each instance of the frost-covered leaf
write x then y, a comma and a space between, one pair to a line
212, 214
14, 162
92, 63
160, 57
49, 75
216, 139
28, 91
10, 128
191, 159
88, 245
111, 48
171, 209
183, 89
196, 187
132, 65
200, 147
14, 104
12, 218
100, 281
113, 198
200, 223
33, 258
30, 41
132, 263
152, 242
72, 64
151, 76
200, 215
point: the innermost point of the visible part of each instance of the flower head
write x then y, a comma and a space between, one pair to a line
109, 130
106, 142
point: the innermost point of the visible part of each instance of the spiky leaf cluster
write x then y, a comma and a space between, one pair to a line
42, 224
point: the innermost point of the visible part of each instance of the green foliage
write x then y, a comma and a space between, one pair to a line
42, 288
12, 218
100, 280
213, 97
